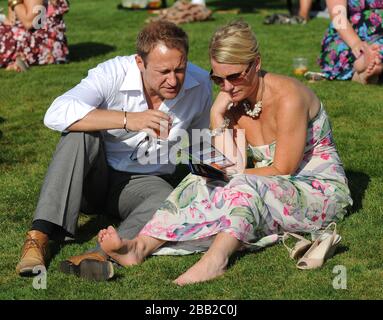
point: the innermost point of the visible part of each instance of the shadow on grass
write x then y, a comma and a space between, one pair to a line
86, 50
358, 183
90, 229
1, 121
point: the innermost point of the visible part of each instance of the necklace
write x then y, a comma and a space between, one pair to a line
256, 110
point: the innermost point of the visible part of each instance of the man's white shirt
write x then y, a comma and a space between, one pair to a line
117, 85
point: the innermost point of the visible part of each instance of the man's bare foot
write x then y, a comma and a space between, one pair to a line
207, 268
125, 252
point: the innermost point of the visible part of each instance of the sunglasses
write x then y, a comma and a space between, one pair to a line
234, 78
134, 154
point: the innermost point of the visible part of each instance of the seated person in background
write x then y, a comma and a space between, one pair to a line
298, 15
352, 47
298, 183
304, 9
27, 38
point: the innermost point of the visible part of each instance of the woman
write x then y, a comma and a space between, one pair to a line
33, 33
298, 183
352, 47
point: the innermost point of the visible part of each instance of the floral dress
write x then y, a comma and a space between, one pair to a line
336, 59
256, 209
44, 45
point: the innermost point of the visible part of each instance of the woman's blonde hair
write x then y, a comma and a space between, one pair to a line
234, 43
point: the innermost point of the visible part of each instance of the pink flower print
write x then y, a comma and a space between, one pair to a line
323, 216
206, 203
51, 10
286, 210
317, 185
333, 55
325, 142
192, 211
273, 186
276, 190
316, 128
314, 218
355, 18
217, 195
325, 156
171, 235
236, 198
375, 19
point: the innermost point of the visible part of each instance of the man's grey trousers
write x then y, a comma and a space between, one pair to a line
79, 180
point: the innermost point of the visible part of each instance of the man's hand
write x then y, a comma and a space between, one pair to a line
150, 119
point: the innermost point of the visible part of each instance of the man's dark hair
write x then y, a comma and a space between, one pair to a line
167, 33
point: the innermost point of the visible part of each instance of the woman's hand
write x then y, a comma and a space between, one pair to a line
358, 48
220, 104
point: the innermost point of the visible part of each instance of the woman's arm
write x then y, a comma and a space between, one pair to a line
292, 118
26, 12
338, 14
232, 141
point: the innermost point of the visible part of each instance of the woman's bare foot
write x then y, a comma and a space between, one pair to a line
368, 54
370, 75
368, 66
13, 67
125, 252
210, 266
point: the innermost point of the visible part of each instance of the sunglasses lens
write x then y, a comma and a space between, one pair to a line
234, 77
217, 80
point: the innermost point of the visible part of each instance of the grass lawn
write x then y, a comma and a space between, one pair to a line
97, 31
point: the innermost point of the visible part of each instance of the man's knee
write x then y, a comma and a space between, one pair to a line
76, 138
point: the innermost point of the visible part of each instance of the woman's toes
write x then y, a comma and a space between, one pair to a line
111, 230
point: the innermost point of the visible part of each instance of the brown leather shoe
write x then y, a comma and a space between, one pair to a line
33, 253
91, 266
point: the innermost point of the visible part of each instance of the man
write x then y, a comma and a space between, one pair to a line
108, 122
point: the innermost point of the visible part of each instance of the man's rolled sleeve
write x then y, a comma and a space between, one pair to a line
76, 103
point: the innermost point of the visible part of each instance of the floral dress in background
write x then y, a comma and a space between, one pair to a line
366, 17
255, 209
45, 45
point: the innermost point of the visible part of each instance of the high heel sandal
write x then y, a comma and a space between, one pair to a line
322, 249
300, 246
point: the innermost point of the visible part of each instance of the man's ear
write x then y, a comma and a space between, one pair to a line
140, 63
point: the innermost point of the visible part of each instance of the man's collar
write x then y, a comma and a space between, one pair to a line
132, 80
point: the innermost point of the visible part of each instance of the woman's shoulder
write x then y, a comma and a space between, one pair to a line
288, 92
284, 83
284, 89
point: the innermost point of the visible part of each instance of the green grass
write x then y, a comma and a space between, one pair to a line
96, 32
